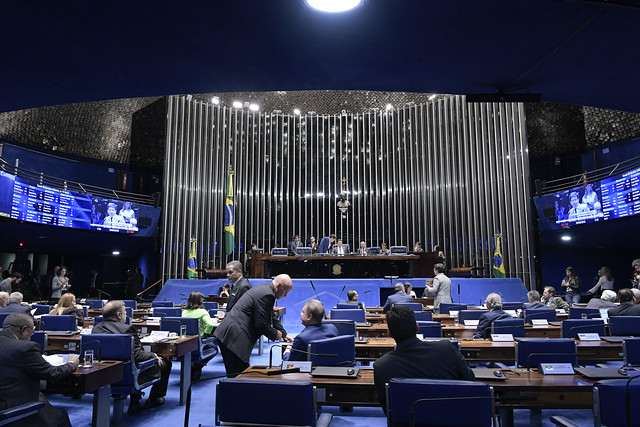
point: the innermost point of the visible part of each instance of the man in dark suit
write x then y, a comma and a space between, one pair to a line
15, 304
96, 283
115, 315
311, 317
414, 358
22, 369
251, 317
326, 244
399, 296
494, 305
293, 245
352, 296
239, 283
534, 302
626, 307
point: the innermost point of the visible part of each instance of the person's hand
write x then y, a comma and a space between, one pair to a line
288, 338
160, 361
74, 359
278, 335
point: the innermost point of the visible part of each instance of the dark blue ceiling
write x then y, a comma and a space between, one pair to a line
576, 52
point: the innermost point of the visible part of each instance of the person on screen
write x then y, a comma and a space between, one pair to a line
577, 210
96, 216
128, 214
113, 219
590, 197
561, 213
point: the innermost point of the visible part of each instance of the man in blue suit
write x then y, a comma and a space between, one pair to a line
15, 304
494, 304
399, 296
311, 316
326, 244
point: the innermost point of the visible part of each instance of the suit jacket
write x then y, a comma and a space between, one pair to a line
396, 298
319, 331
356, 303
536, 304
22, 369
325, 247
599, 303
557, 302
15, 308
293, 247
484, 324
345, 250
625, 309
112, 327
241, 286
251, 317
413, 358
441, 291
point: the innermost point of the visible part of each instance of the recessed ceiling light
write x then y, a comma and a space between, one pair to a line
296, 111
215, 100
237, 104
566, 238
334, 6
115, 253
432, 97
254, 107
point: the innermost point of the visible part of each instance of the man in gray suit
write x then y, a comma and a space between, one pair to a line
239, 283
440, 289
251, 317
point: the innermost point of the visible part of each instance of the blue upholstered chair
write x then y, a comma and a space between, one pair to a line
624, 325
470, 315
155, 304
207, 347
572, 327
514, 327
53, 322
430, 329
40, 337
210, 305
95, 304
265, 397
631, 352
446, 307
512, 305
423, 316
130, 303
129, 310
578, 312
345, 327
398, 250
345, 306
439, 402
530, 352
119, 347
539, 313
2, 317
167, 311
214, 312
18, 412
356, 315
415, 306
343, 346
40, 309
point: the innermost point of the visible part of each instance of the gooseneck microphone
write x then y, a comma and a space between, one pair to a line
298, 351
314, 290
340, 296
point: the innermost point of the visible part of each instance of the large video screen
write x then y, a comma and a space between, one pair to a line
45, 205
610, 198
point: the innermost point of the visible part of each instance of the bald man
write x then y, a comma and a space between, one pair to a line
251, 317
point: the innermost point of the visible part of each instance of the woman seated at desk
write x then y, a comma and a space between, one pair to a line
67, 306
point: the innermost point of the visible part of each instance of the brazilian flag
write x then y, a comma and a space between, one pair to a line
498, 262
229, 218
192, 264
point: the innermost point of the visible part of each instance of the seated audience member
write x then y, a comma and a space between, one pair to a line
195, 309
636, 295
550, 299
115, 315
494, 305
607, 299
418, 247
339, 248
534, 300
225, 291
15, 304
113, 219
384, 250
413, 358
399, 296
362, 250
352, 296
626, 307
22, 369
67, 306
4, 299
408, 290
311, 317
10, 284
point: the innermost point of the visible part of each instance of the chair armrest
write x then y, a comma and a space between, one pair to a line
209, 340
147, 364
324, 420
563, 421
21, 411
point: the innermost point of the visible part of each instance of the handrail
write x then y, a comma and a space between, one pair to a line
139, 294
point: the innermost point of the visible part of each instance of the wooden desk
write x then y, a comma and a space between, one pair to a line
96, 380
379, 330
179, 348
63, 343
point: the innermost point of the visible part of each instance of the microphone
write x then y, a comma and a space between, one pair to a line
366, 292
99, 348
340, 296
296, 350
163, 320
458, 293
594, 324
547, 354
314, 290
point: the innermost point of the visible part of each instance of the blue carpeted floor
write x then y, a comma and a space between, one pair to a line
203, 404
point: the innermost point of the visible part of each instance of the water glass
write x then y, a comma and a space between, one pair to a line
88, 358
183, 330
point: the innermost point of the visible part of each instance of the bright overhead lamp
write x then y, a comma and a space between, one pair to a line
432, 97
115, 253
566, 238
254, 107
296, 111
215, 100
334, 6
237, 104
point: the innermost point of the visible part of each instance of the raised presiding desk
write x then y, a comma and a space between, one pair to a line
97, 380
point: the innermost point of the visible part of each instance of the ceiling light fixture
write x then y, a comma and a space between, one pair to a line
254, 107
215, 100
296, 111
566, 238
237, 104
334, 6
432, 97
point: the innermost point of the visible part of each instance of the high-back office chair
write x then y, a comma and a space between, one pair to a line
398, 250
54, 322
119, 347
572, 327
512, 305
631, 352
155, 304
357, 315
614, 401
207, 347
415, 306
540, 313
210, 305
40, 337
624, 325
583, 313
129, 310
423, 316
19, 412
2, 317
95, 304
167, 311
214, 312
530, 352
515, 327
265, 398
430, 329
439, 403
345, 306
373, 250
40, 309
130, 303
446, 307
344, 327
470, 315
279, 252
343, 347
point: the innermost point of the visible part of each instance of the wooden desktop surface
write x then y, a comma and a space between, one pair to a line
88, 380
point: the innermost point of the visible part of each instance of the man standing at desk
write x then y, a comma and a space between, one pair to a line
311, 317
239, 283
399, 296
251, 317
494, 305
440, 289
22, 369
414, 358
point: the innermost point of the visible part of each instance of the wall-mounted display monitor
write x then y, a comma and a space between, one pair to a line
614, 197
40, 204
